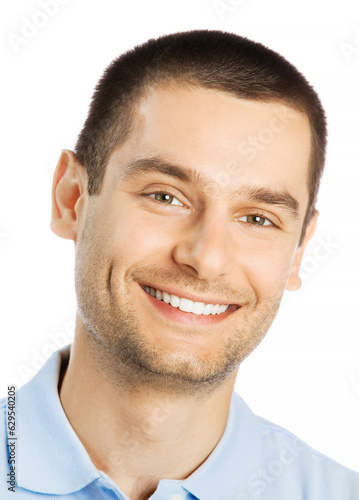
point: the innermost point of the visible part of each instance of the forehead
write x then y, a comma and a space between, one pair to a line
230, 141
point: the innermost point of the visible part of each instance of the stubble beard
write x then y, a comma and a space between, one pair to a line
122, 351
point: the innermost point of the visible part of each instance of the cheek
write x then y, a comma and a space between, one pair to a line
135, 238
267, 267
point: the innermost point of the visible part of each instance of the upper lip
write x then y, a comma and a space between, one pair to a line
185, 294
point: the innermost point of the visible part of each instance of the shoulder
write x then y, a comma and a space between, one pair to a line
288, 445
272, 462
314, 475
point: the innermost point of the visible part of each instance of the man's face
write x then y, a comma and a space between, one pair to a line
197, 221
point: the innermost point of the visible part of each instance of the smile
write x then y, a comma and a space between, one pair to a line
186, 305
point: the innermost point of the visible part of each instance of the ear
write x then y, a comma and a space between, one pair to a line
69, 187
294, 282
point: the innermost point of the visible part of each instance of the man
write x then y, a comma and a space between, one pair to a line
190, 198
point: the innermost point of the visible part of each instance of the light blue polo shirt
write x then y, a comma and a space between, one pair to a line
254, 460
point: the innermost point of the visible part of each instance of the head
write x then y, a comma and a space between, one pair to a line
209, 59
176, 185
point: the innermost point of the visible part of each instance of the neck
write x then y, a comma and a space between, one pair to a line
139, 437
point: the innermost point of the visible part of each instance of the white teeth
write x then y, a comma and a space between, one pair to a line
215, 309
187, 305
207, 309
166, 297
198, 307
174, 301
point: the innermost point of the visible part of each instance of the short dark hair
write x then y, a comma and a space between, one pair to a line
201, 58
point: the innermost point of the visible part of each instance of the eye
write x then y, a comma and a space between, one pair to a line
256, 220
165, 198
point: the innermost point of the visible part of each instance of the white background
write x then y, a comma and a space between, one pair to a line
305, 374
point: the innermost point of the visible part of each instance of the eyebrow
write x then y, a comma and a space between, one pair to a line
157, 164
267, 195
271, 197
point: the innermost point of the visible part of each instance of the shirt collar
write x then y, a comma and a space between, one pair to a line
233, 460
52, 459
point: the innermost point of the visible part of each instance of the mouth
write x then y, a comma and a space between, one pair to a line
189, 306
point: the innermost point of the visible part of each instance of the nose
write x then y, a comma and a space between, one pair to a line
204, 249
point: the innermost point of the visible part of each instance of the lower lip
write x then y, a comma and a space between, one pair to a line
175, 314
